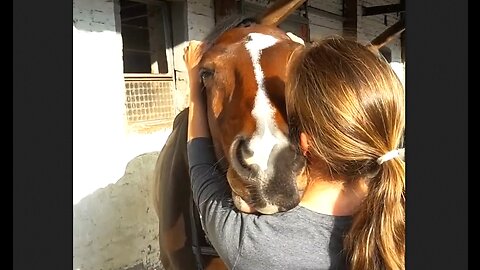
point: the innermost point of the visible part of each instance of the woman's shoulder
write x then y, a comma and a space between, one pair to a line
305, 215
297, 230
297, 221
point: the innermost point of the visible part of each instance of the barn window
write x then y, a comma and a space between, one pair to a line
143, 34
147, 64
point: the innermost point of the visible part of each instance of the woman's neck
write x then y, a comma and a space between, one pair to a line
333, 196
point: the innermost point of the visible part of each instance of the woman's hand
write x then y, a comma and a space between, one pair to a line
192, 56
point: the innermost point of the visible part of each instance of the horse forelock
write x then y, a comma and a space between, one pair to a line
228, 23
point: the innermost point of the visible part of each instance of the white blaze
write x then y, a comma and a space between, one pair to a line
267, 134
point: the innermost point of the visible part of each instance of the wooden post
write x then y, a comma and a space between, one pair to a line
403, 35
350, 22
402, 47
306, 27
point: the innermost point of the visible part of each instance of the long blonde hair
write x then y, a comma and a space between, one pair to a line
352, 105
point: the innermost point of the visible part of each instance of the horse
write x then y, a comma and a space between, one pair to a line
243, 72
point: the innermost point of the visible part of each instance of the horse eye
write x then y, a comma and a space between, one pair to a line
206, 73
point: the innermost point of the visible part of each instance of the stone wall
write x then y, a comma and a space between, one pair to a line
116, 227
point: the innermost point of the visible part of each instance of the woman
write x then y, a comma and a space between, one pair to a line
346, 110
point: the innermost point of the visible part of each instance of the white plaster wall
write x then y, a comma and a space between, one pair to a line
101, 144
115, 226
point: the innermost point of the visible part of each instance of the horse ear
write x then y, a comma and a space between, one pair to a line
278, 12
374, 48
388, 35
296, 38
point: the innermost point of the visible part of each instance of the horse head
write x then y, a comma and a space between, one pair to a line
243, 72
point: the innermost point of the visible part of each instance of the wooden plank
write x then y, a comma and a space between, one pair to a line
332, 6
223, 8
324, 13
350, 22
376, 10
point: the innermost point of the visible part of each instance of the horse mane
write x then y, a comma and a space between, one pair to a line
227, 23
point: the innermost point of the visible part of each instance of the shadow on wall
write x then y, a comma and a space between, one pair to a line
116, 227
104, 16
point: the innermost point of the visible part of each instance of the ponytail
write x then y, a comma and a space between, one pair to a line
376, 239
351, 104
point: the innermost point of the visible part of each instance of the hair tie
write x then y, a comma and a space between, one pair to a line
392, 154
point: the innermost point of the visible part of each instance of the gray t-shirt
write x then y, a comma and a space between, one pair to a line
296, 239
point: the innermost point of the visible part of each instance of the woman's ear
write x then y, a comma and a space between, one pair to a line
304, 143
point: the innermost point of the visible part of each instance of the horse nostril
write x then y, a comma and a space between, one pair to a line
242, 153
241, 156
245, 148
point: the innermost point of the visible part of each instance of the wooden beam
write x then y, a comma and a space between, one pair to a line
376, 10
224, 8
350, 21
389, 34
148, 2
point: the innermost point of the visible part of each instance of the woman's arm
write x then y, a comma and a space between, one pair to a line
211, 193
197, 118
226, 228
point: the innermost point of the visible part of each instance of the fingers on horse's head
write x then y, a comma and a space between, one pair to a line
247, 114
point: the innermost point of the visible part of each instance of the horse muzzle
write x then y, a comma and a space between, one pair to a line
269, 188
